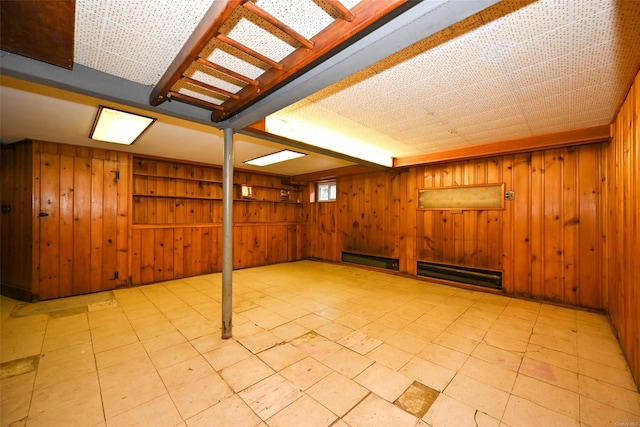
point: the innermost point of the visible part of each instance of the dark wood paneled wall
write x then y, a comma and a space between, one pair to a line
548, 241
16, 183
623, 228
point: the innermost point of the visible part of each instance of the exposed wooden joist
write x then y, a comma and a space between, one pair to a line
205, 31
191, 100
332, 37
279, 24
333, 173
231, 42
346, 13
209, 87
512, 146
227, 71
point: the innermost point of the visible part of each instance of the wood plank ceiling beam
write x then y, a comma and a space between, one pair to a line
205, 31
365, 14
512, 146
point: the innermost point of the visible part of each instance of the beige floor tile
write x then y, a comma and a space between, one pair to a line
204, 327
448, 412
407, 342
337, 393
467, 331
246, 373
428, 373
390, 356
378, 331
119, 355
521, 412
549, 396
303, 412
505, 342
594, 413
611, 375
67, 325
553, 357
374, 411
334, 331
359, 342
65, 371
107, 340
172, 355
384, 381
488, 373
260, 341
347, 362
270, 395
554, 342
421, 331
157, 412
226, 355
352, 321
480, 396
64, 341
289, 331
200, 394
306, 372
19, 346
611, 395
315, 345
456, 342
128, 371
51, 358
160, 342
183, 373
542, 371
131, 393
15, 397
281, 356
497, 356
208, 342
443, 356
312, 321
47, 400
230, 412
86, 411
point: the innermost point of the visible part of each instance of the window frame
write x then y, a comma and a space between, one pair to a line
329, 184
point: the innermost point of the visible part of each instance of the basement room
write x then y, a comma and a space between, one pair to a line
357, 213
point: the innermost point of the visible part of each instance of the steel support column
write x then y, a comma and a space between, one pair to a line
227, 232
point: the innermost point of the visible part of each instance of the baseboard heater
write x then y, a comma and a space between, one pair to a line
473, 276
371, 261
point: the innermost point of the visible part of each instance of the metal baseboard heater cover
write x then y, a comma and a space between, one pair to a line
472, 276
371, 261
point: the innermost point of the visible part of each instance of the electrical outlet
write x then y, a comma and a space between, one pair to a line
509, 195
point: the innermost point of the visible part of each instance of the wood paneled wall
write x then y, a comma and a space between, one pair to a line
548, 241
177, 221
623, 228
16, 183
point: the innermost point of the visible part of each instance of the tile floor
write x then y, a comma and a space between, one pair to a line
315, 344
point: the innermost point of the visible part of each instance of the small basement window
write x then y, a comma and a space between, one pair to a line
326, 191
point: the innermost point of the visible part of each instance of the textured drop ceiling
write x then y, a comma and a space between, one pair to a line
517, 69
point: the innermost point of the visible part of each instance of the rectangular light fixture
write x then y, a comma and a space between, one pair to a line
272, 158
119, 127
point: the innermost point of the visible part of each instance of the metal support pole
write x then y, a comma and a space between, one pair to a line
227, 232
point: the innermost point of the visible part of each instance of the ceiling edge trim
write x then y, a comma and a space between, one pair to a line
512, 146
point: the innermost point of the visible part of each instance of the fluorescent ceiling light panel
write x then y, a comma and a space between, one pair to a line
118, 126
278, 157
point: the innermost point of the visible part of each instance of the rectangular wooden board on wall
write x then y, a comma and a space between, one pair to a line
464, 197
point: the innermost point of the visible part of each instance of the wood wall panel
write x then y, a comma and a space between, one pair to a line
547, 242
623, 228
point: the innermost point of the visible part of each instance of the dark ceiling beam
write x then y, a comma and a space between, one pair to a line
423, 19
94, 83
